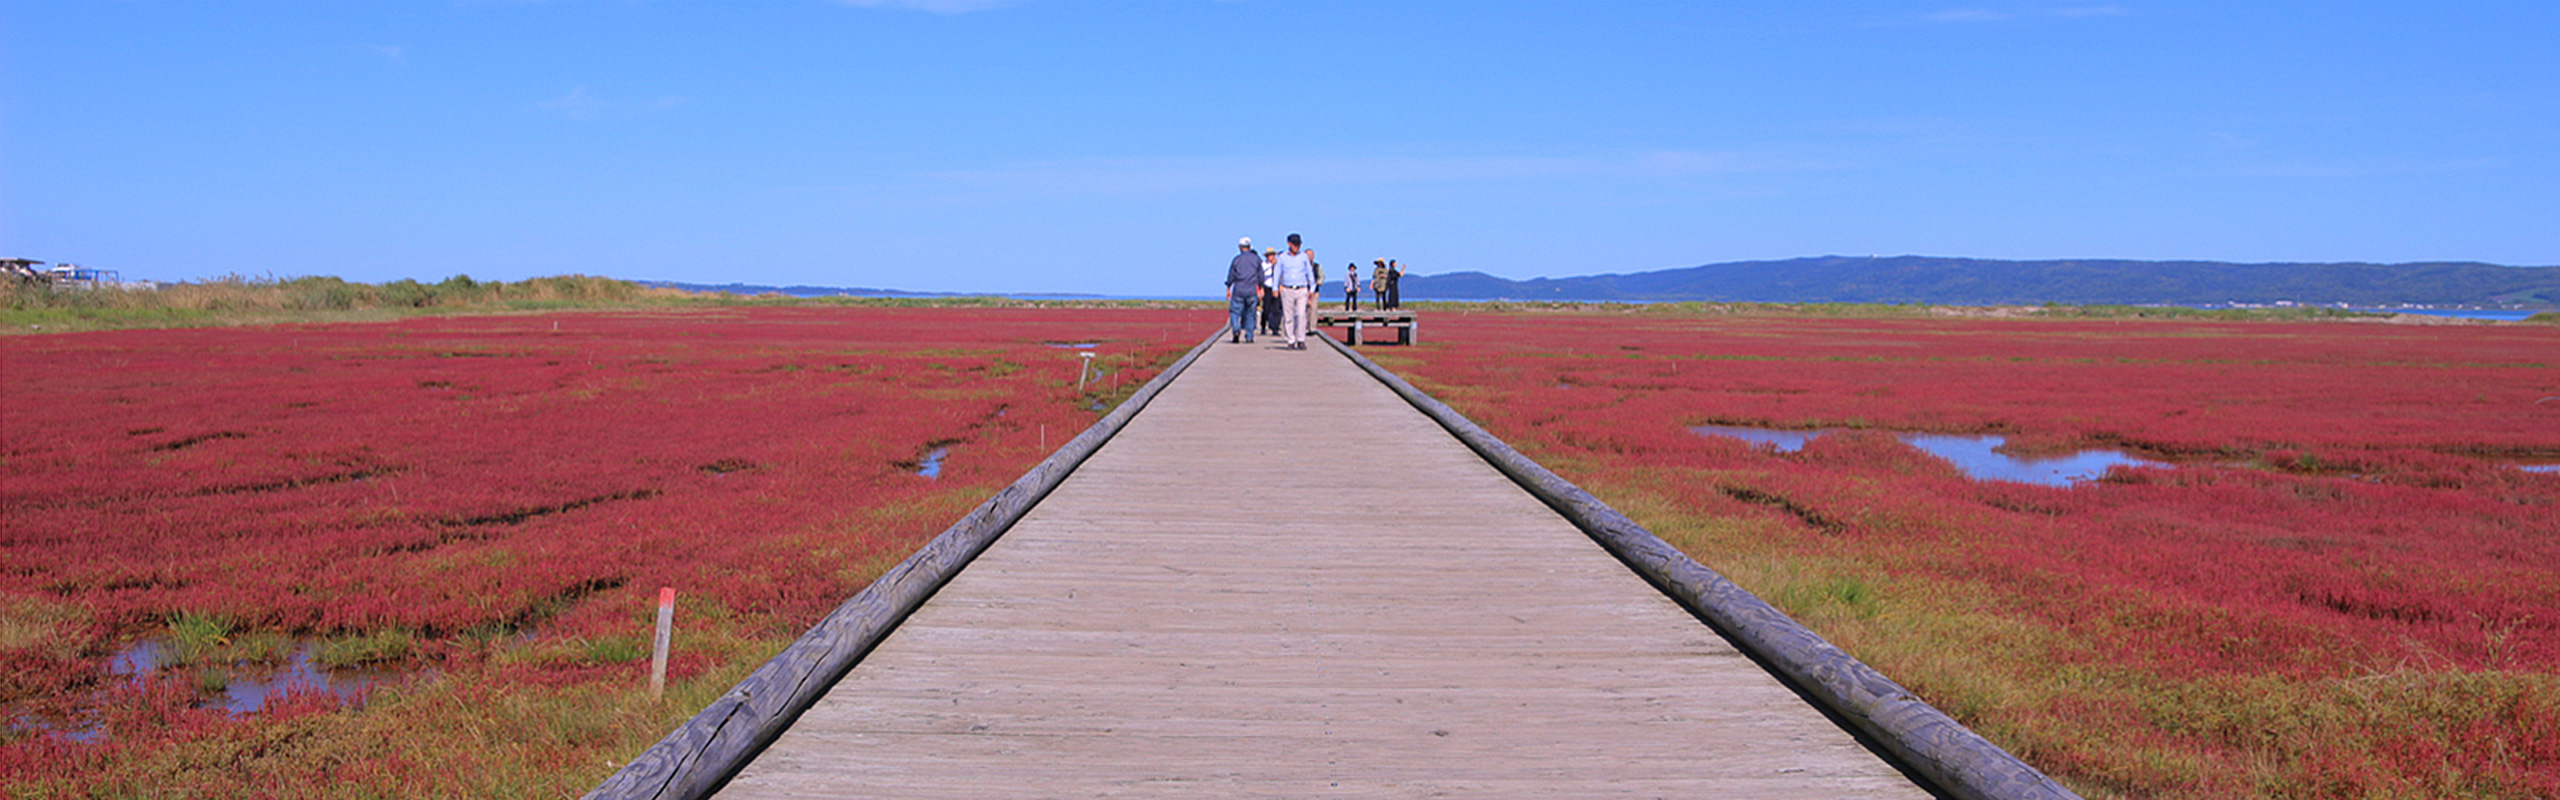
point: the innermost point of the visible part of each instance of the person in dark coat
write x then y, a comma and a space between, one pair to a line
1244, 291
1395, 292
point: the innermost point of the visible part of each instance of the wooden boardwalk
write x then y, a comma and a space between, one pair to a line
1281, 580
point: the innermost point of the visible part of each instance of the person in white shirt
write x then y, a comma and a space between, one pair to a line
1297, 291
1270, 294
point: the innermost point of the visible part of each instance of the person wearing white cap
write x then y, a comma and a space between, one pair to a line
1297, 290
1244, 288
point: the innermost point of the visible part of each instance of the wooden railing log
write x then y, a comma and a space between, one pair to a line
1941, 751
700, 756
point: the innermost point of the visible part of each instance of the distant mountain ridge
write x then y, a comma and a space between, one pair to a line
1978, 281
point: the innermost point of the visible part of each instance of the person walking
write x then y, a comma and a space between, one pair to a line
1271, 273
1297, 291
1244, 290
1395, 284
1270, 296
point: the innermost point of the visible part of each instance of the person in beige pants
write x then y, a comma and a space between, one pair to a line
1297, 291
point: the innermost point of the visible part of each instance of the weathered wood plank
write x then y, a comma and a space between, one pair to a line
1215, 602
1952, 757
699, 756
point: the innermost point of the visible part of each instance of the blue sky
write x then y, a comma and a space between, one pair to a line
1120, 147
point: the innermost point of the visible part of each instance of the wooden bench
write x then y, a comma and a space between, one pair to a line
1407, 329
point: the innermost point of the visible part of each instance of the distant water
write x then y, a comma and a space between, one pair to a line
2499, 314
1976, 456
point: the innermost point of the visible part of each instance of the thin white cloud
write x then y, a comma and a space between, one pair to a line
579, 103
2364, 168
2229, 141
1122, 176
389, 52
1965, 15
576, 104
935, 6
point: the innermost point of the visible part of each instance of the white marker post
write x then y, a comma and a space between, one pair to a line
666, 631
1082, 371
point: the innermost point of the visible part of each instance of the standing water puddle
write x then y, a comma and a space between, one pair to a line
2551, 468
250, 686
247, 687
1785, 441
1977, 456
931, 466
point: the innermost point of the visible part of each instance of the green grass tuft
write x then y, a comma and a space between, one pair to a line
388, 644
197, 637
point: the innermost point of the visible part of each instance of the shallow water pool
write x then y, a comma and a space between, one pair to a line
1977, 456
250, 686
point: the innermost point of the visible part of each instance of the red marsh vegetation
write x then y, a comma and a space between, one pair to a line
2338, 581
474, 515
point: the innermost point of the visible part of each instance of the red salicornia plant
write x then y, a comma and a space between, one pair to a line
487, 505
2340, 584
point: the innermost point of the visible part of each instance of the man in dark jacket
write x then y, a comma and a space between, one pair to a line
1244, 287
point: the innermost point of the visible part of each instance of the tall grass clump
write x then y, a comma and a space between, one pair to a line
242, 299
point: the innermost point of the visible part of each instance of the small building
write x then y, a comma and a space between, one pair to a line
74, 276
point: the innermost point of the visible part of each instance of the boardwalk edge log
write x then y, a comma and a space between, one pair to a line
698, 757
1949, 756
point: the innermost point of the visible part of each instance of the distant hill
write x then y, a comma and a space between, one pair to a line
1976, 281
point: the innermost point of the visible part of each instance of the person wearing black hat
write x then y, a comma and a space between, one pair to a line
1395, 287
1297, 291
1351, 287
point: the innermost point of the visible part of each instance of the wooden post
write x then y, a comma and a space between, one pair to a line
666, 631
1082, 370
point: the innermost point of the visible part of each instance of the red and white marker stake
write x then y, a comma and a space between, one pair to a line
666, 628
